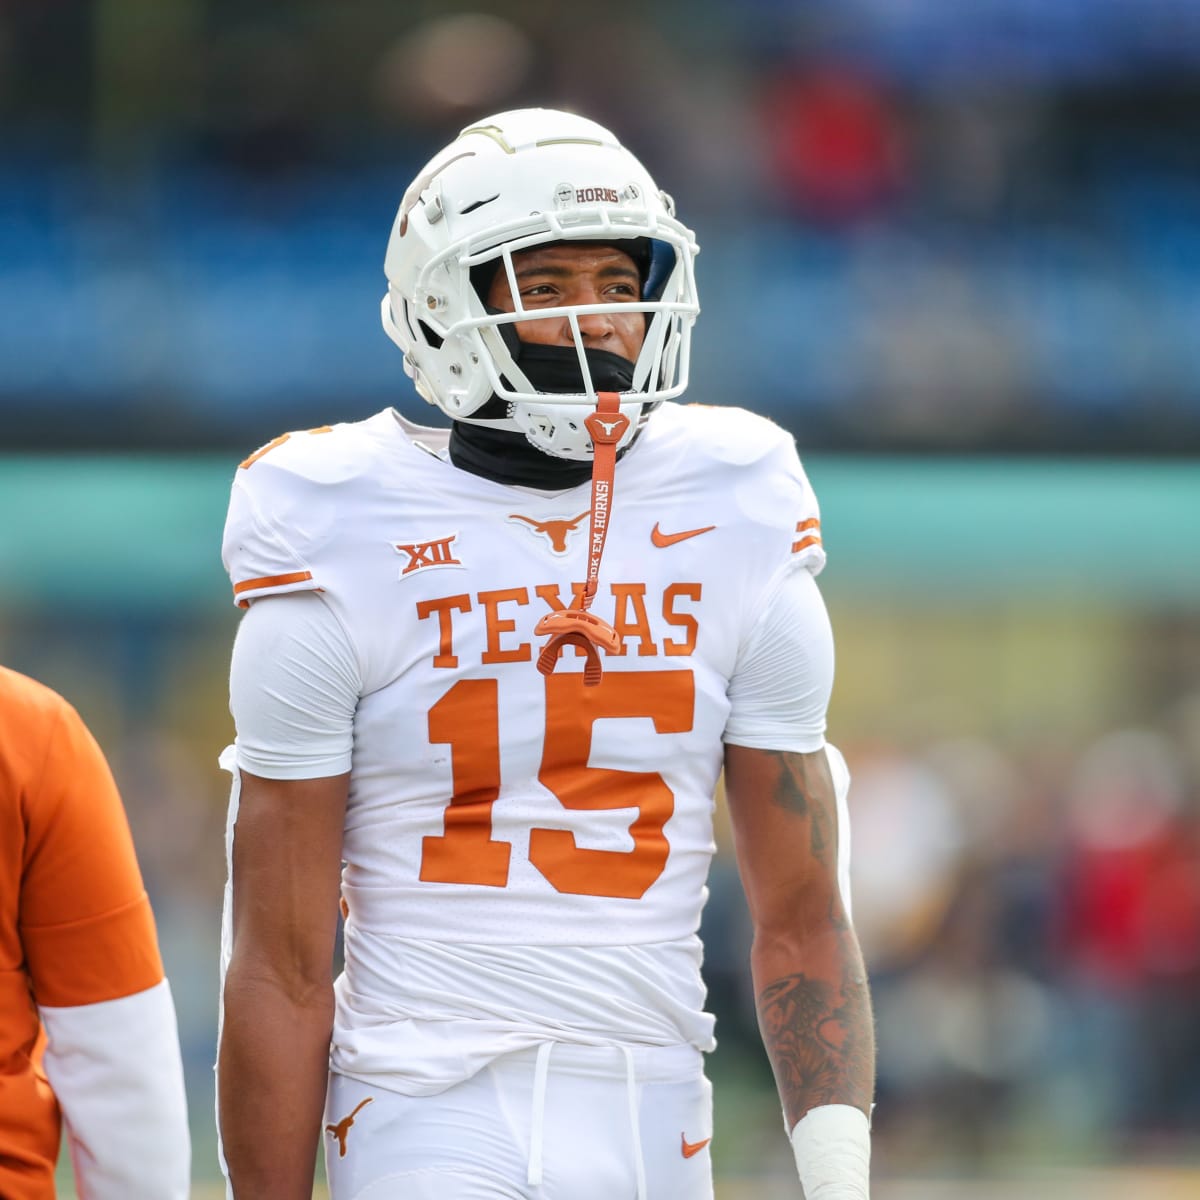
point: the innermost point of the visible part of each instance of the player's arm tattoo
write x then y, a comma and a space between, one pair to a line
820, 1041
794, 793
817, 1024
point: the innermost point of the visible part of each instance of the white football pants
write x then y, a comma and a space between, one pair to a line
560, 1122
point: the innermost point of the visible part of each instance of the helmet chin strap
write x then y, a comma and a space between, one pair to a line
575, 625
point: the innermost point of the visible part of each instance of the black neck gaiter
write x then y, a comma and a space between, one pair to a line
507, 456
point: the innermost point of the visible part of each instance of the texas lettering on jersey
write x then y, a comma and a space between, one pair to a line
664, 623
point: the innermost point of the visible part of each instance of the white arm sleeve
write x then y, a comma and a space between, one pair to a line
832, 1145
116, 1070
784, 675
294, 684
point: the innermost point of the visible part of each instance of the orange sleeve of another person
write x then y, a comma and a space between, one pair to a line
85, 922
75, 922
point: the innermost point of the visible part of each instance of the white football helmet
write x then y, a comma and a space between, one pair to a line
510, 182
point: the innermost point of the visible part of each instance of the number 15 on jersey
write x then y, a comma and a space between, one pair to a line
467, 718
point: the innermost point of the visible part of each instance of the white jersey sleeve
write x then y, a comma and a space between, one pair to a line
782, 675
116, 1070
294, 684
279, 520
781, 686
807, 548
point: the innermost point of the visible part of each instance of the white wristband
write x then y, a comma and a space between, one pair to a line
832, 1145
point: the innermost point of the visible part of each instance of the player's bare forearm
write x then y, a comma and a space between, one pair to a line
810, 984
273, 1065
816, 1022
273, 1062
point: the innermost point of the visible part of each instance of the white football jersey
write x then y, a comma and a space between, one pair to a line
514, 840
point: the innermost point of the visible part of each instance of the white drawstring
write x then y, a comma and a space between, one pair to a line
540, 1070
635, 1125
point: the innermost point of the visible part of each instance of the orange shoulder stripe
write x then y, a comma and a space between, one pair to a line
813, 539
283, 437
264, 581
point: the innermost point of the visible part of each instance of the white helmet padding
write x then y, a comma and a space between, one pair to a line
511, 182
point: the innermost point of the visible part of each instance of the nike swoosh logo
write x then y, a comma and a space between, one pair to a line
690, 1148
661, 539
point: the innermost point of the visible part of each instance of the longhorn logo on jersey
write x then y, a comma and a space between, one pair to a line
438, 552
554, 530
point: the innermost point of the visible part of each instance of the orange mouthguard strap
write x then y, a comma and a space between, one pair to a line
577, 626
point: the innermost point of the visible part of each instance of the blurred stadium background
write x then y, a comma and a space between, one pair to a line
954, 248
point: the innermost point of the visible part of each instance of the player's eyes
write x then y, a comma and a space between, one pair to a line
615, 293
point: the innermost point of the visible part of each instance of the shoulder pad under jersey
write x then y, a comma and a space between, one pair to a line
757, 461
284, 506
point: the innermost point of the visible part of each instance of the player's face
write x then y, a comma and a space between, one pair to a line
582, 273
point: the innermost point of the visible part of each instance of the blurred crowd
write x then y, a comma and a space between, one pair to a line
1035, 931
923, 225
1031, 922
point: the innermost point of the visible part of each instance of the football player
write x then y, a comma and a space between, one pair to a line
87, 1023
484, 688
